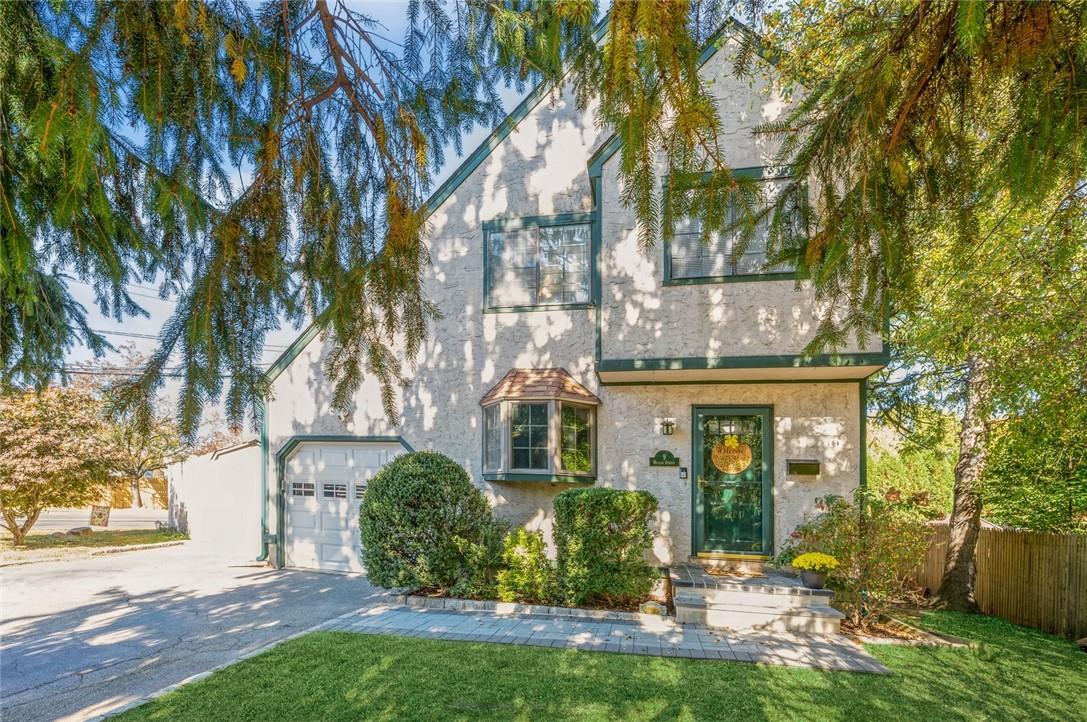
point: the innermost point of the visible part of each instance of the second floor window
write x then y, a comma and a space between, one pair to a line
538, 265
692, 258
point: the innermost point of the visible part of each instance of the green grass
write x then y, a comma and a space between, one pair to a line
1016, 673
108, 538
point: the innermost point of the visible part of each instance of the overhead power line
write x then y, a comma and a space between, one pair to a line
128, 334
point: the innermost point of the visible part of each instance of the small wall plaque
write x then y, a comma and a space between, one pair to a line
664, 458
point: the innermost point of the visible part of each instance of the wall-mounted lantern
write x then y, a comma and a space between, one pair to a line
668, 427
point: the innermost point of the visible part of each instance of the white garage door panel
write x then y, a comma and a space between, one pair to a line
301, 519
324, 486
335, 521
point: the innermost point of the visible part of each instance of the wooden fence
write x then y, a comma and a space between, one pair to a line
1037, 580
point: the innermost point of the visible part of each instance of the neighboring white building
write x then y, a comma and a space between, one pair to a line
566, 355
216, 499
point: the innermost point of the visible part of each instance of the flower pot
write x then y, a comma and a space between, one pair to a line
813, 580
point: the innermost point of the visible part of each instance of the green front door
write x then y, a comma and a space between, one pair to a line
733, 481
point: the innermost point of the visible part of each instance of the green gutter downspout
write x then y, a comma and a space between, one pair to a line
863, 402
263, 410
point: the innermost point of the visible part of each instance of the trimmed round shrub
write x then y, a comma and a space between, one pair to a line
602, 536
425, 525
527, 574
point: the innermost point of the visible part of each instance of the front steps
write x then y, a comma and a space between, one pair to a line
774, 603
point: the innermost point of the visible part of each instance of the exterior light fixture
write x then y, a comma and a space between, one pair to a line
668, 426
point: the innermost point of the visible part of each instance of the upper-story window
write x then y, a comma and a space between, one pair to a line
691, 258
538, 262
539, 424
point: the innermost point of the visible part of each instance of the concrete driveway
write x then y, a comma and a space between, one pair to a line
79, 638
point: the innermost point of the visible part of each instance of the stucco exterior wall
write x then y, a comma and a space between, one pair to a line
810, 421
641, 317
541, 169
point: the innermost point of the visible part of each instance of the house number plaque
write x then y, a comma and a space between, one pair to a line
664, 458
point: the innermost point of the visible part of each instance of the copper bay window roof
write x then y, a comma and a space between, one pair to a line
554, 383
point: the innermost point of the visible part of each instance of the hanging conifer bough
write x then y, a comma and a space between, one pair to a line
261, 163
270, 162
946, 144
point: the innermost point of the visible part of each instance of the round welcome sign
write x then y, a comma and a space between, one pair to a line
730, 455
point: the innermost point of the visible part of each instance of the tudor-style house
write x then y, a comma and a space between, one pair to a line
567, 355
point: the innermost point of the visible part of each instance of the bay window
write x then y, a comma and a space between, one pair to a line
539, 425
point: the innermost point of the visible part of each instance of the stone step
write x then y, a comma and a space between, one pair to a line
771, 589
756, 596
809, 620
740, 565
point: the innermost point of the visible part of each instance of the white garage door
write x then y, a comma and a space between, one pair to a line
324, 485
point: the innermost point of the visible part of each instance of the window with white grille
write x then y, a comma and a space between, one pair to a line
302, 488
334, 491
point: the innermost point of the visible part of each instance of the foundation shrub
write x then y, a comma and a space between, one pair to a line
425, 525
601, 537
527, 575
878, 545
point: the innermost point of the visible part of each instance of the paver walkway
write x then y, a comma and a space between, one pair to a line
659, 638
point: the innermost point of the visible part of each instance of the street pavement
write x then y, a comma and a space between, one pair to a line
81, 637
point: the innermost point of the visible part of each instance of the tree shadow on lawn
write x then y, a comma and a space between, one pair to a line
1016, 674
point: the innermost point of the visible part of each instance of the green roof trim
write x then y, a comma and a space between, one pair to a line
702, 363
439, 196
291, 352
500, 133
608, 148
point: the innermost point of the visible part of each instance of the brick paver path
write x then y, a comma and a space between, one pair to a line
663, 638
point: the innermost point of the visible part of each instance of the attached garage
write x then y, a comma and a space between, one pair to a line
323, 483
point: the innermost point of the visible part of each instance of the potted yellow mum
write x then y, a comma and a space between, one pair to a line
814, 567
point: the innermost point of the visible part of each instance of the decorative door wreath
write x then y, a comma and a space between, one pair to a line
730, 455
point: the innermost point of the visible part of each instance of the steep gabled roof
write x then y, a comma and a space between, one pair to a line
481, 153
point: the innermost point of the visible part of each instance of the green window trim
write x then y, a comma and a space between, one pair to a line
540, 478
504, 225
554, 441
541, 307
762, 173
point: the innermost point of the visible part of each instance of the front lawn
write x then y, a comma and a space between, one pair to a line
46, 547
1016, 674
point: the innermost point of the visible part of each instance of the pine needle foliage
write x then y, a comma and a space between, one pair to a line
259, 162
922, 112
271, 161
